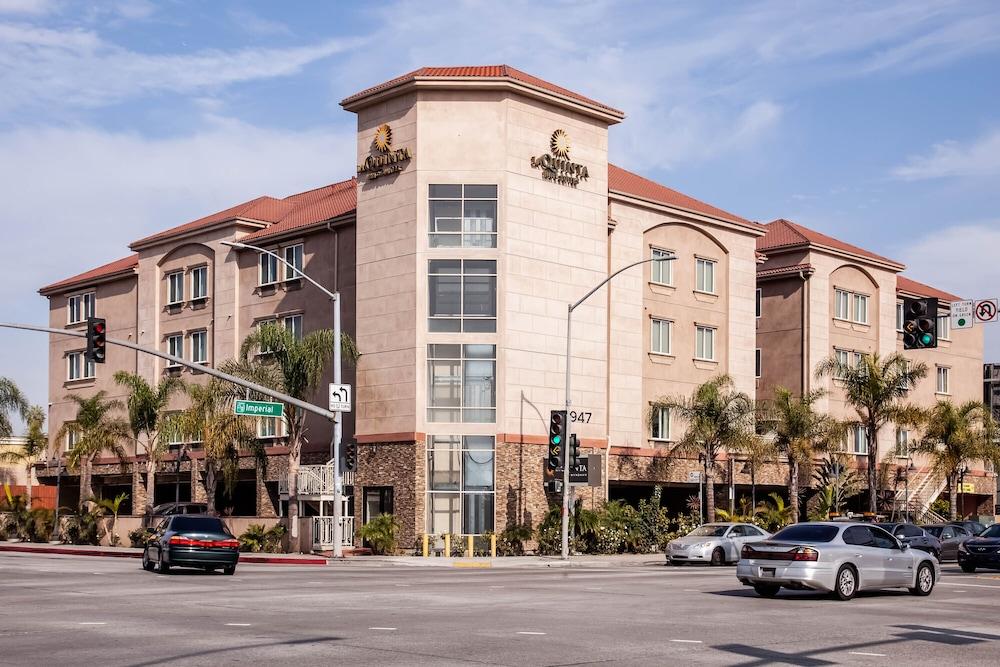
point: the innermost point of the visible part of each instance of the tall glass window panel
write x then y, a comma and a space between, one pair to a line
860, 440
861, 308
175, 348
199, 346
444, 463
902, 443
463, 216
462, 383
841, 305
705, 275
73, 366
944, 327
899, 317
293, 324
462, 295
268, 271
660, 428
662, 272
943, 380
199, 282
293, 256
444, 511
444, 377
479, 379
705, 343
175, 287
660, 331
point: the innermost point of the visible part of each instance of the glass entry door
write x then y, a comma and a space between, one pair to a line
378, 500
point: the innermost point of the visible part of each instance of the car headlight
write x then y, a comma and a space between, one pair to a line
705, 545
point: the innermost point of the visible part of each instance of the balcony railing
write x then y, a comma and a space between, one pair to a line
323, 532
316, 481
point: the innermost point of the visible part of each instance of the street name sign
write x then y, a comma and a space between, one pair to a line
986, 310
963, 314
258, 408
694, 478
340, 397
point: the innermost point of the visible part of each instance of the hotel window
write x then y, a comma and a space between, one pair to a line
660, 338
267, 273
461, 383
943, 380
80, 307
260, 323
462, 295
704, 276
293, 323
78, 367
756, 363
850, 306
199, 347
704, 346
899, 317
293, 256
72, 436
175, 288
199, 283
270, 428
902, 443
944, 327
659, 428
662, 272
172, 432
460, 484
175, 348
861, 308
859, 439
463, 216
842, 301
757, 302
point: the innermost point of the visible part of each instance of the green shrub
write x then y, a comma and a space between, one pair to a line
140, 537
82, 526
510, 541
256, 538
381, 532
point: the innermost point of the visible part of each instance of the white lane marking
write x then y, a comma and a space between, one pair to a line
92, 623
402, 585
496, 586
687, 641
238, 625
377, 628
691, 590
595, 588
874, 655
945, 583
525, 632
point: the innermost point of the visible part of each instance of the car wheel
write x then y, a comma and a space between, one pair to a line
925, 580
162, 567
846, 583
967, 568
147, 564
718, 557
767, 590
229, 569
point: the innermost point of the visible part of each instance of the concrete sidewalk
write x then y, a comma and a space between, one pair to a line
128, 552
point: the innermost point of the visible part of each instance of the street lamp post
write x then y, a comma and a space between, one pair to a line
906, 488
567, 491
961, 493
338, 547
182, 456
57, 462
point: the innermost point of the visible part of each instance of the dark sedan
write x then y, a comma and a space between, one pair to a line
950, 536
915, 536
983, 550
198, 541
973, 527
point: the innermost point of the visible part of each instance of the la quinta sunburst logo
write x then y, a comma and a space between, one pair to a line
383, 138
383, 159
559, 143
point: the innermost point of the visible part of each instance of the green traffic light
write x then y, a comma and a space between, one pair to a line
926, 339
556, 439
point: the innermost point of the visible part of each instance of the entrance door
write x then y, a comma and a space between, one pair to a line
378, 500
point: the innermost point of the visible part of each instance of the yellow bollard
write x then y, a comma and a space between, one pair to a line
426, 542
447, 545
493, 546
471, 552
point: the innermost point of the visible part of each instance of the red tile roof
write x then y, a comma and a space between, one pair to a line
783, 233
123, 265
309, 208
626, 182
261, 209
910, 286
764, 272
477, 72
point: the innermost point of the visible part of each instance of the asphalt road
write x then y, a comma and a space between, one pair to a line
65, 610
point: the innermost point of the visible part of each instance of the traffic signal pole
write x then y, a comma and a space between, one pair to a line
567, 500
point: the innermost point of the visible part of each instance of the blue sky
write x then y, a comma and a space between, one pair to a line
876, 122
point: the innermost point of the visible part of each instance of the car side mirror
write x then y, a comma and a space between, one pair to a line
903, 546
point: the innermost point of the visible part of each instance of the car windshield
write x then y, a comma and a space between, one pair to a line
709, 531
191, 524
934, 530
992, 531
805, 532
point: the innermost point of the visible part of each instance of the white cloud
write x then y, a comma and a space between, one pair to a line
27, 7
961, 259
950, 158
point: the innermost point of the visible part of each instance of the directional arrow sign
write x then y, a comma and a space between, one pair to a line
962, 314
340, 397
258, 408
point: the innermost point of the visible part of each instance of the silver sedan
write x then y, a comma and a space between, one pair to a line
715, 543
841, 558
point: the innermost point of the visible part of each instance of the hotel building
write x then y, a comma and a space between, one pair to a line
484, 203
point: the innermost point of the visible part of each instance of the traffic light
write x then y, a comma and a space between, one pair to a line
574, 448
97, 343
350, 456
919, 323
553, 486
557, 438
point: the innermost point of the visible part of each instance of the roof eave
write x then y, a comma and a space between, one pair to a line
157, 239
606, 114
342, 220
745, 227
60, 288
886, 263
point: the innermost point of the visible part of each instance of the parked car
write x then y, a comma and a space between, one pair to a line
172, 509
973, 527
835, 557
915, 536
981, 550
950, 536
713, 543
185, 540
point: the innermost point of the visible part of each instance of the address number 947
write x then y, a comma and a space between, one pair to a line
582, 417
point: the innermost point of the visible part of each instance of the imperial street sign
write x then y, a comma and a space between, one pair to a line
258, 408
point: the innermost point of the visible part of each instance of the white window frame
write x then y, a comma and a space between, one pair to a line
757, 363
72, 435
455, 454
841, 305
289, 322
859, 440
175, 347
464, 322
701, 335
466, 237
79, 307
297, 259
270, 428
197, 295
269, 265
469, 414
758, 302
859, 308
704, 275
899, 316
79, 367
902, 450
662, 272
659, 430
943, 373
175, 288
193, 336
657, 327
944, 326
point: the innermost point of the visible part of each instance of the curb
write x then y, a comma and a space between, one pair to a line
102, 553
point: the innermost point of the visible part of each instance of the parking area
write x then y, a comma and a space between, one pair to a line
75, 610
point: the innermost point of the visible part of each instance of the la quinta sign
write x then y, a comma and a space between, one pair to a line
556, 165
383, 159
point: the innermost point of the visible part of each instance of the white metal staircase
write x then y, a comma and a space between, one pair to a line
929, 483
316, 487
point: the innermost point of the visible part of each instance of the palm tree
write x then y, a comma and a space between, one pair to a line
210, 421
112, 506
719, 418
99, 430
774, 513
876, 389
835, 477
149, 420
11, 400
799, 432
34, 447
956, 435
300, 363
